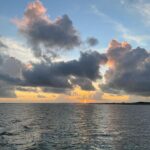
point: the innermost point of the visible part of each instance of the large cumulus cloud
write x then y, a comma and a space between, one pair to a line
66, 74
129, 69
43, 33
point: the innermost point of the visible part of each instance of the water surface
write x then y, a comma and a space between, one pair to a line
74, 127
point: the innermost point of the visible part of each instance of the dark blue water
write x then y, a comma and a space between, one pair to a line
74, 127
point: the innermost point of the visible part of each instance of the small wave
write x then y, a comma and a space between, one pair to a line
7, 133
26, 127
15, 121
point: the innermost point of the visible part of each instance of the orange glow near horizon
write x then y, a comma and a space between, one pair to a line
115, 98
83, 96
34, 96
76, 96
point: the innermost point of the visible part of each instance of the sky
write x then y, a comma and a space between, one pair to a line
89, 51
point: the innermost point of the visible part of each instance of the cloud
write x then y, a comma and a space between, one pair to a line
128, 72
1, 60
17, 50
55, 77
55, 90
129, 36
129, 69
41, 96
6, 91
43, 74
92, 41
26, 89
43, 33
126, 33
66, 74
84, 83
141, 8
2, 45
10, 72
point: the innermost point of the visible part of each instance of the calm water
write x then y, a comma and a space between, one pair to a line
74, 127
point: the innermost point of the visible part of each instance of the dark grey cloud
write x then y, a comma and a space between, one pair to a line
84, 83
56, 77
56, 90
130, 71
10, 74
92, 41
26, 89
43, 75
43, 33
61, 74
9, 79
7, 91
1, 60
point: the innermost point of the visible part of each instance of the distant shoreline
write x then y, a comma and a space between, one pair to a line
134, 103
123, 103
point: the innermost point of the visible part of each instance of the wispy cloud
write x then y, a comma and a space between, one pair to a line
119, 27
16, 49
143, 9
140, 8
